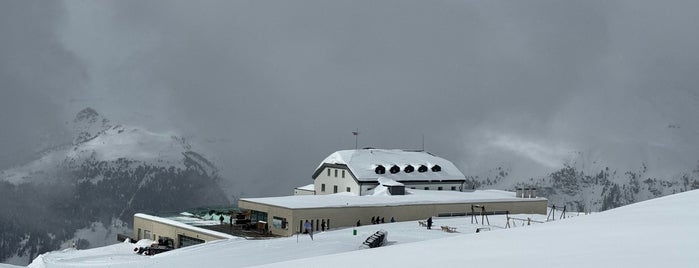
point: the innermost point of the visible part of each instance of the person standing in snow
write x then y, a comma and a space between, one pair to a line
221, 219
429, 223
322, 225
393, 220
309, 229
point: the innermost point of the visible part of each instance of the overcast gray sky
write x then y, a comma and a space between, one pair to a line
269, 88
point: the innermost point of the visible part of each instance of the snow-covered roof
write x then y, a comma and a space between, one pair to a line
310, 187
411, 197
389, 182
410, 165
185, 223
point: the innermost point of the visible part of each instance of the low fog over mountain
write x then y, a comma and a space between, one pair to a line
271, 88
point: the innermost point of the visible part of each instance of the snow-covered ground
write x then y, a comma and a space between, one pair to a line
659, 232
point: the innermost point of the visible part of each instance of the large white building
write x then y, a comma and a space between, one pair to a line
359, 171
353, 186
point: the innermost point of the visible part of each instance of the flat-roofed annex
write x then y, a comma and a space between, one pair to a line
347, 209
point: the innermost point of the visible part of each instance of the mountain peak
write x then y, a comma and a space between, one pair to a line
88, 123
87, 115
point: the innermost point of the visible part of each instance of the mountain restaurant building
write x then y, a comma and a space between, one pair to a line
287, 214
358, 171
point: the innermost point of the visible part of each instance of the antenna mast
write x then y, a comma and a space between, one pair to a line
356, 138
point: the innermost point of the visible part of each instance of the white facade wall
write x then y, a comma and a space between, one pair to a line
156, 229
434, 186
331, 181
335, 178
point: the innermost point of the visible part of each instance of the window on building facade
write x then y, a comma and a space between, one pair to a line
336, 173
334, 188
422, 168
349, 189
394, 169
380, 169
258, 216
343, 174
322, 187
427, 188
328, 172
279, 222
439, 188
188, 240
453, 188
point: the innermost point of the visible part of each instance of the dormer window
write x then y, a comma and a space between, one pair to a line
394, 169
408, 169
380, 169
436, 168
422, 169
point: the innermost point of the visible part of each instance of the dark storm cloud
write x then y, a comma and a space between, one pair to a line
272, 87
37, 76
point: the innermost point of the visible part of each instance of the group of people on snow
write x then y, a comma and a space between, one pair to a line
376, 220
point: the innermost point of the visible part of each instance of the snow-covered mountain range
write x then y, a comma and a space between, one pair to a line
102, 177
580, 189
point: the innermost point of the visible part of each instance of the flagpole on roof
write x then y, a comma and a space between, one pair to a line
356, 137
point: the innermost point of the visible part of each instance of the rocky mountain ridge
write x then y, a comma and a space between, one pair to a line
599, 190
105, 175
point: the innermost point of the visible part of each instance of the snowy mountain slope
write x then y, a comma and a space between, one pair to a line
100, 179
97, 141
653, 233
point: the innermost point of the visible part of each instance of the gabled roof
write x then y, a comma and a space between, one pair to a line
397, 165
